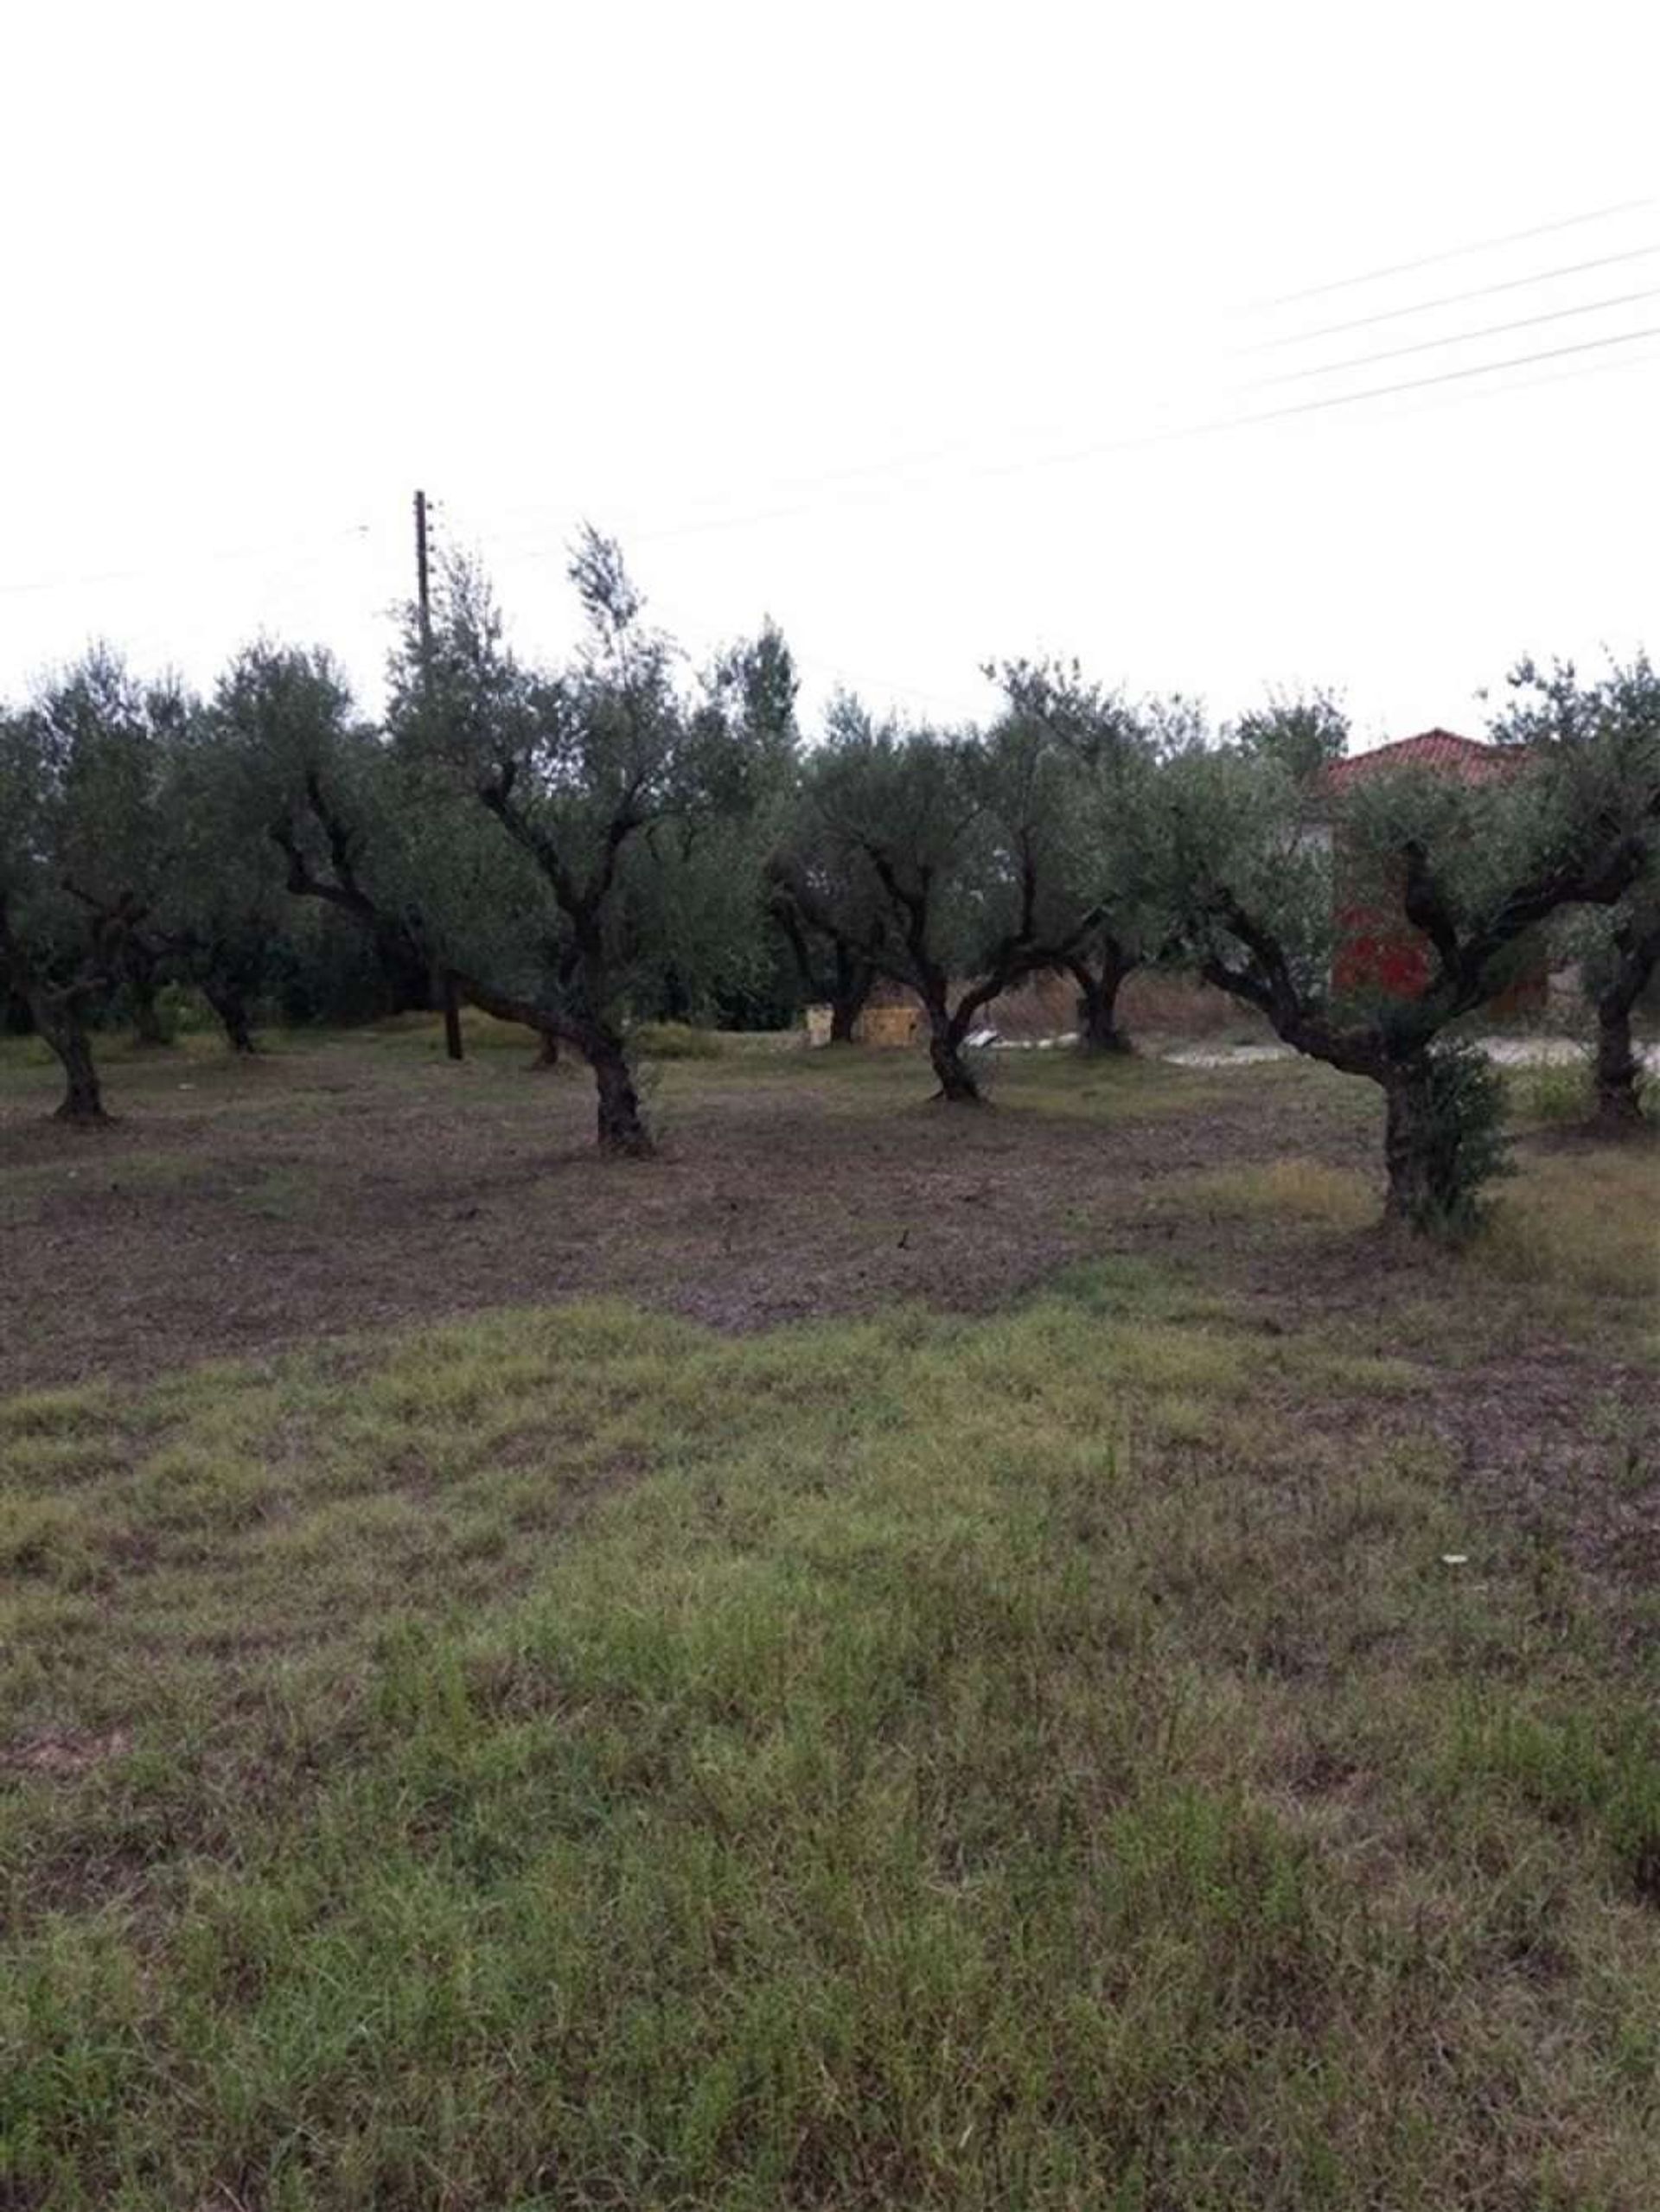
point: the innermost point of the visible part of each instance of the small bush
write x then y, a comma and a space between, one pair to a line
1460, 1141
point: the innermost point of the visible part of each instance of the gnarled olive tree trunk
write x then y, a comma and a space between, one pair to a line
449, 993
622, 1125
955, 1075
843, 1021
147, 1026
58, 1018
949, 1030
1410, 1150
853, 980
56, 1012
1097, 1004
231, 1008
1618, 1070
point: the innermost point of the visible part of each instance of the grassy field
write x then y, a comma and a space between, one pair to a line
882, 1659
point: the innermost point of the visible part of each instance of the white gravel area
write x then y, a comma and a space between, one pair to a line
1509, 1052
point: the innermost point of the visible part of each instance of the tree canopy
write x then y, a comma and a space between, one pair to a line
623, 835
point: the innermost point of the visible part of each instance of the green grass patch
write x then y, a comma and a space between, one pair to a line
569, 1758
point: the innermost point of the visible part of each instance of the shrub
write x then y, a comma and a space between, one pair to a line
1465, 1143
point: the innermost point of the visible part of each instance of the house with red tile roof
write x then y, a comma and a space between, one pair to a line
1378, 948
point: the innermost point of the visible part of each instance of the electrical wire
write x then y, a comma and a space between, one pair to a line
698, 525
186, 562
1446, 299
1144, 441
1319, 406
1447, 253
1455, 338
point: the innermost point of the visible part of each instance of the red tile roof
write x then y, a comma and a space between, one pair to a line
1442, 751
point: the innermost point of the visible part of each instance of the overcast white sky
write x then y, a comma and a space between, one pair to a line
870, 316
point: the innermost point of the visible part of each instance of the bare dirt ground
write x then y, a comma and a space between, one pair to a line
351, 1183
358, 1182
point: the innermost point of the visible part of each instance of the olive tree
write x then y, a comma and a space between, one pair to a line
1554, 713
1620, 958
697, 915
218, 915
1110, 753
56, 955
88, 854
46, 962
1475, 868
935, 857
107, 737
304, 774
830, 912
584, 784
1302, 732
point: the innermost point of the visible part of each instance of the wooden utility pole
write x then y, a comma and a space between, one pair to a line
423, 577
452, 1044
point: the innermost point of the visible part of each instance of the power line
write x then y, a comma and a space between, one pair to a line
1153, 439
186, 562
1138, 442
696, 526
1146, 440
1448, 376
1447, 299
1223, 423
1536, 383
851, 469
940, 699
1457, 338
1448, 253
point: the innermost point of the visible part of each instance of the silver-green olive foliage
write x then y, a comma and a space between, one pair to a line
84, 850
1111, 873
599, 819
1265, 862
943, 858
1580, 725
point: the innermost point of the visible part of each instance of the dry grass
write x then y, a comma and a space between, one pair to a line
1587, 1219
1311, 1191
